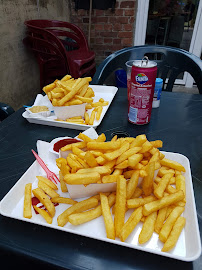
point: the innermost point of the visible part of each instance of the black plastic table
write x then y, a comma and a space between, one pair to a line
178, 122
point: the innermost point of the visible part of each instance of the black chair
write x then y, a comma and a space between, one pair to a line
170, 61
5, 111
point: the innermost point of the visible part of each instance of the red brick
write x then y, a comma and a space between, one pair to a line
84, 27
119, 11
108, 34
99, 12
125, 34
73, 12
77, 20
129, 12
94, 34
102, 19
107, 40
117, 27
107, 53
127, 27
92, 41
98, 27
117, 5
85, 20
108, 12
99, 40
116, 47
97, 47
127, 4
93, 13
82, 12
117, 41
122, 19
94, 19
131, 19
108, 27
127, 41
113, 19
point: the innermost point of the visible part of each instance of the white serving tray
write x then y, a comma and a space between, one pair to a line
105, 92
188, 247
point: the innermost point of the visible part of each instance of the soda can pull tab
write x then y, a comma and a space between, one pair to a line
144, 61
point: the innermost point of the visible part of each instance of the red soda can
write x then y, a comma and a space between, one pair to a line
143, 76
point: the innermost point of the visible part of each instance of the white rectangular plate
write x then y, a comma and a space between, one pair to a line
105, 92
188, 247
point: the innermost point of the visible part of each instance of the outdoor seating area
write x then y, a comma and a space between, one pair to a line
100, 142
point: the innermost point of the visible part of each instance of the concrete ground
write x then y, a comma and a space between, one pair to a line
183, 89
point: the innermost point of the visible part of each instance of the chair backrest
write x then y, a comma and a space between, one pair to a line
172, 62
52, 63
43, 49
69, 33
48, 41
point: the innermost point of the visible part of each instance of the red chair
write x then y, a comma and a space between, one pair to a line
81, 61
52, 63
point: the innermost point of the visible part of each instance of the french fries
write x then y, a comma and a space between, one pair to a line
44, 199
47, 181
78, 207
165, 201
27, 210
147, 183
147, 228
80, 218
131, 223
63, 200
174, 235
82, 178
47, 189
69, 91
109, 224
120, 205
44, 214
159, 190
168, 225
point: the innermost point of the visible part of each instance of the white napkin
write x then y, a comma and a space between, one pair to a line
43, 101
91, 133
49, 158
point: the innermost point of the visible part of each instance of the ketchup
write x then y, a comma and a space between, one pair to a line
63, 143
36, 201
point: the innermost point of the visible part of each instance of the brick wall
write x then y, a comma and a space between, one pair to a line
110, 31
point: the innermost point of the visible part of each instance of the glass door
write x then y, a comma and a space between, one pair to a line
175, 23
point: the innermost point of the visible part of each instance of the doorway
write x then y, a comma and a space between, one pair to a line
176, 23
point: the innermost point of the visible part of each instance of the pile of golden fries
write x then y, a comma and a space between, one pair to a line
69, 91
147, 182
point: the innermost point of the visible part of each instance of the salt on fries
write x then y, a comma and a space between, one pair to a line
69, 91
147, 182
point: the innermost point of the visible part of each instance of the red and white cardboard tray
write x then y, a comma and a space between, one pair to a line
101, 91
188, 247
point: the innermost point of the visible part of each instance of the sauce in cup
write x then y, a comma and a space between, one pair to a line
63, 143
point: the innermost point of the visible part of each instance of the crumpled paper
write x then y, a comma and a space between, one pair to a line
43, 101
